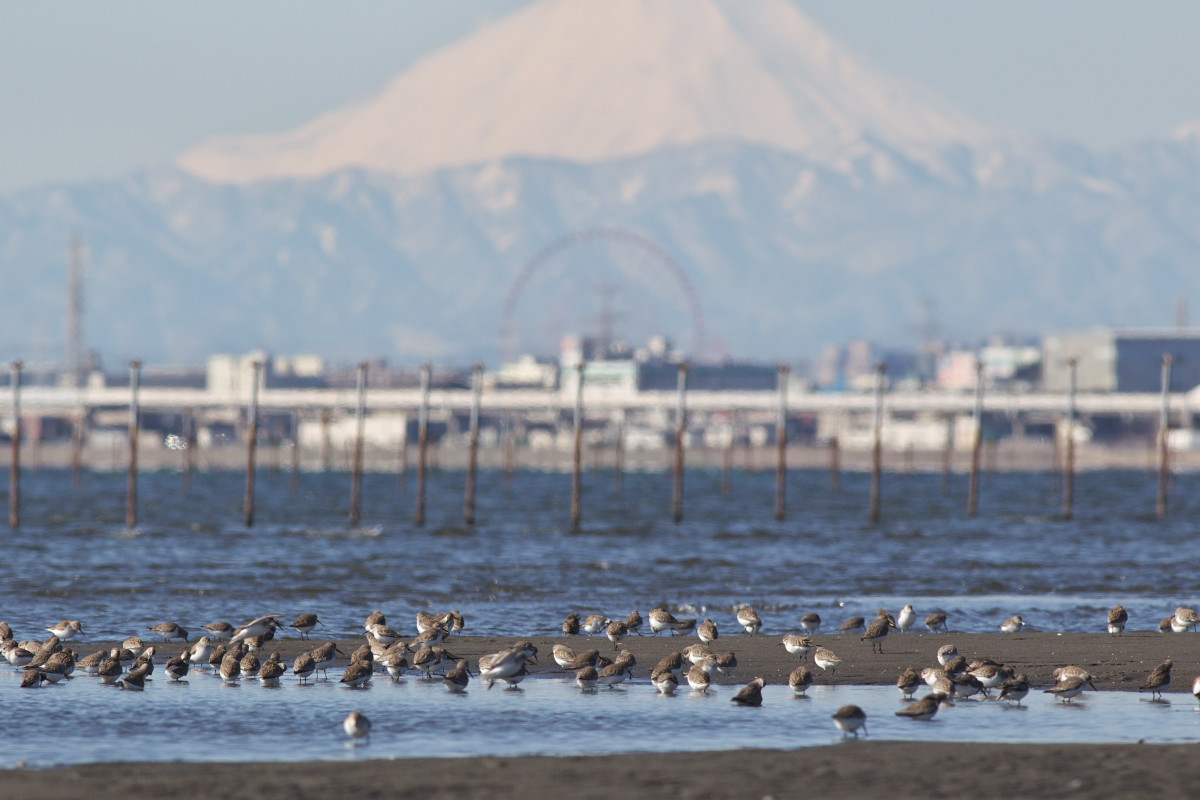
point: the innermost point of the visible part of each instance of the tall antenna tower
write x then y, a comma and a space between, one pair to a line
74, 366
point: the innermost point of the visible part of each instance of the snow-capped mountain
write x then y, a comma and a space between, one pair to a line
588, 81
762, 193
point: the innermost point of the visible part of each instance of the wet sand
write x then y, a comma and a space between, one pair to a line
853, 769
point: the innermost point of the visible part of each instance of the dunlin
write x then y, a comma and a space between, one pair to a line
936, 622
570, 625
177, 668
304, 666
219, 631
826, 659
671, 662
201, 650
1158, 680
231, 666
800, 679
1015, 689
991, 675
616, 672
906, 619
425, 621
456, 680
305, 623
750, 694
357, 726
59, 666
135, 679
326, 656
967, 686
586, 678
664, 682
395, 661
1117, 618
698, 678
1070, 688
1166, 624
696, 653
169, 631
726, 662
387, 634
748, 618
633, 623
271, 671
615, 631
594, 623
1185, 619
662, 620
32, 678
256, 627
589, 658
357, 674
908, 682
70, 628
853, 625
798, 645
563, 655
811, 622
849, 719
91, 664
877, 631
707, 631
685, 626
502, 665
1196, 687
923, 709
376, 617
945, 653
1013, 624
249, 665
110, 668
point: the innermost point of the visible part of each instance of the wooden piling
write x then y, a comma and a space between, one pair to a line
680, 432
473, 445
294, 479
781, 447
835, 465
948, 454
356, 469
251, 445
14, 492
510, 452
976, 443
877, 445
619, 453
1164, 429
326, 441
189, 449
77, 430
131, 484
1068, 503
577, 452
422, 443
727, 462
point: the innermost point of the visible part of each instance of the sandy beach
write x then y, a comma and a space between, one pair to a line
853, 769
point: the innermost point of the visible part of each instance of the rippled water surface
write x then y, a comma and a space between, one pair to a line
204, 719
520, 569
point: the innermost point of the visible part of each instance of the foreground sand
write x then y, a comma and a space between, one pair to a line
854, 769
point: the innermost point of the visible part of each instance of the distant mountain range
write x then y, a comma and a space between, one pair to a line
796, 197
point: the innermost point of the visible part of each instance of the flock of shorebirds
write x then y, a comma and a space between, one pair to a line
233, 654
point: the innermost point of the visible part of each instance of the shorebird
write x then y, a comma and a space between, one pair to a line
219, 631
594, 623
967, 686
615, 631
991, 675
664, 682
946, 653
395, 661
877, 631
707, 631
376, 617
1070, 671
633, 623
1166, 625
59, 666
387, 634
135, 679
1196, 687
662, 620
570, 625
923, 709
357, 674
256, 627
1158, 680
618, 671
849, 719
1013, 624
698, 678
325, 657
425, 621
1015, 689
111, 669
67, 629
671, 662
304, 666
748, 618
169, 631
357, 727
826, 659
908, 682
231, 666
563, 655
456, 680
32, 678
271, 671
685, 626
1116, 621
586, 678
1185, 619
726, 662
811, 622
17, 656
906, 619
936, 622
502, 665
589, 658
177, 667
750, 694
305, 623
696, 653
91, 664
201, 650
800, 679
1069, 688
938, 680
798, 645
249, 665
5, 631
853, 625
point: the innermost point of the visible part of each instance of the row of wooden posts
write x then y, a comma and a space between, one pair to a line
131, 498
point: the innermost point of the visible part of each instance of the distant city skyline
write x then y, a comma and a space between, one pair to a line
106, 88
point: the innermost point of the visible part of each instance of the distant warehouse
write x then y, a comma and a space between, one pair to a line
1122, 360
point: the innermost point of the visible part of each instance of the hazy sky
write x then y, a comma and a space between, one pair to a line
95, 88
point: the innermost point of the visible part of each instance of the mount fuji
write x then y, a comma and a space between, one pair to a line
794, 195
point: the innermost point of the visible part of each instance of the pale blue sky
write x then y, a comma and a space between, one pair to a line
96, 88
